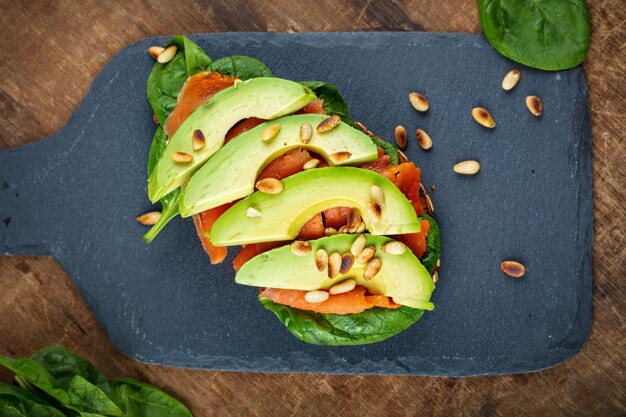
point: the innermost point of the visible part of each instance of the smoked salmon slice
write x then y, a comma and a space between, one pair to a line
352, 302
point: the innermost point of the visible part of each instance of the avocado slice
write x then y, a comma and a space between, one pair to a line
401, 277
304, 195
266, 98
231, 173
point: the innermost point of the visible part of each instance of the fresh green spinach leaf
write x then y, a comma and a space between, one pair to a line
18, 402
64, 365
36, 374
142, 400
243, 67
87, 398
334, 103
166, 80
372, 325
544, 34
433, 245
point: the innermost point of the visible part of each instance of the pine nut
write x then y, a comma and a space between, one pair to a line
316, 297
483, 117
328, 124
347, 260
374, 212
372, 268
340, 156
401, 136
334, 265
358, 245
378, 197
310, 164
306, 132
366, 255
419, 102
394, 248
513, 269
270, 131
343, 287
534, 105
167, 55
300, 248
354, 220
252, 212
402, 157
321, 259
330, 231
155, 51
361, 228
198, 141
467, 167
150, 218
511, 79
435, 277
424, 141
182, 157
270, 186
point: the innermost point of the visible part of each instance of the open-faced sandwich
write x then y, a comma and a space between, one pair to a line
334, 223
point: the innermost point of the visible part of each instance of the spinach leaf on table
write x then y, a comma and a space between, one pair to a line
142, 400
18, 402
544, 34
433, 245
372, 325
243, 67
64, 365
334, 103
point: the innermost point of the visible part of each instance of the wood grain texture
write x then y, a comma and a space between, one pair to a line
50, 51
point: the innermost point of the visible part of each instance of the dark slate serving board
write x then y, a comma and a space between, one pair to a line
75, 196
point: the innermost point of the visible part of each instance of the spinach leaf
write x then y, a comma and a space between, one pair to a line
169, 203
544, 34
142, 400
87, 398
18, 402
64, 365
242, 66
334, 103
372, 325
390, 150
36, 374
71, 391
166, 80
433, 244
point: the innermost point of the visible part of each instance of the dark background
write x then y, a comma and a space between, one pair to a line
51, 51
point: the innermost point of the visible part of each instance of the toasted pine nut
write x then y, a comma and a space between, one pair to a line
467, 167
270, 131
435, 277
513, 269
354, 221
321, 259
347, 260
150, 218
343, 287
182, 157
361, 228
310, 164
419, 102
394, 248
328, 124
402, 157
300, 248
252, 212
374, 212
366, 255
330, 231
401, 136
316, 296
270, 186
358, 245
198, 141
511, 79
372, 268
423, 139
155, 51
334, 265
534, 105
167, 55
378, 197
306, 132
340, 156
483, 117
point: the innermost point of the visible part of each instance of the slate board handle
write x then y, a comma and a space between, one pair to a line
26, 177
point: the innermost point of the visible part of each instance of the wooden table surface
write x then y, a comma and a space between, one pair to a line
50, 51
